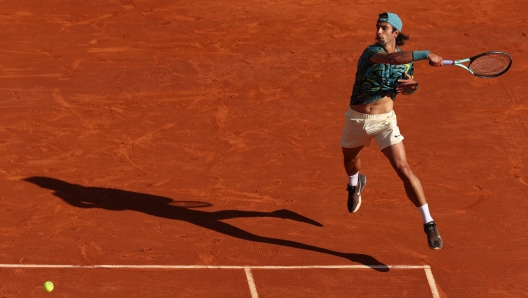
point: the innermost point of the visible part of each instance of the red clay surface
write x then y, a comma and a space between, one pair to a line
168, 133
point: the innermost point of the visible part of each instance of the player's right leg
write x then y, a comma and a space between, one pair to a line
353, 139
352, 163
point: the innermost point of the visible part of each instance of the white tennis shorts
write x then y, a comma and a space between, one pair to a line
361, 128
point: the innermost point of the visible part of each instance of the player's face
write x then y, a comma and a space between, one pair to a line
384, 34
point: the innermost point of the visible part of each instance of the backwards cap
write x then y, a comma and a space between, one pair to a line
392, 19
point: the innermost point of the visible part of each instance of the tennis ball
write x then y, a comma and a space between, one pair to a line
48, 286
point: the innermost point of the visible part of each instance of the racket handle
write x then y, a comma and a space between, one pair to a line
448, 62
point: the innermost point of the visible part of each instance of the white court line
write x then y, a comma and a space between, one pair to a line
251, 283
210, 266
247, 269
431, 281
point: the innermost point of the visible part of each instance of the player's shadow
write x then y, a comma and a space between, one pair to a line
116, 199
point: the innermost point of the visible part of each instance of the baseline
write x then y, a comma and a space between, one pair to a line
247, 269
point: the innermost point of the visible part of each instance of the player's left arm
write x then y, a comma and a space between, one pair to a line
407, 85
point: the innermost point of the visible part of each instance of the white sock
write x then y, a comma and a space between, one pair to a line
424, 210
353, 180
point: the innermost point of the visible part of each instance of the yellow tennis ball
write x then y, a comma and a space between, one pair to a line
48, 286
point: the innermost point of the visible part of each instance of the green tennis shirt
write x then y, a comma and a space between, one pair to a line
375, 81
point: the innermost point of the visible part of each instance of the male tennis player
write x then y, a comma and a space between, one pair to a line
384, 71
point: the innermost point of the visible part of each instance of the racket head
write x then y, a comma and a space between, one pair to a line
490, 64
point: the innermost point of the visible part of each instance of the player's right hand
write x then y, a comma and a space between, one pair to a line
435, 60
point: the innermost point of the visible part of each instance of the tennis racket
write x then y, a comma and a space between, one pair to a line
485, 65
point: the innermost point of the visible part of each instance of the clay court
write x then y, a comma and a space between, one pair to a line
191, 149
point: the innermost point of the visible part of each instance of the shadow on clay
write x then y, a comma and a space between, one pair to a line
115, 199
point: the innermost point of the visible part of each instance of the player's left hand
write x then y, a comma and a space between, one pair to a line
407, 84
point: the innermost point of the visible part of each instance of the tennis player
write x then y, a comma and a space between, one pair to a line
383, 72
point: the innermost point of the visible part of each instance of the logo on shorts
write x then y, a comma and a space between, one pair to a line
397, 136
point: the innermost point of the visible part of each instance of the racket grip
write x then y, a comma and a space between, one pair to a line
448, 62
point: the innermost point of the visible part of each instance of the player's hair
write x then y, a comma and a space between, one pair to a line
401, 38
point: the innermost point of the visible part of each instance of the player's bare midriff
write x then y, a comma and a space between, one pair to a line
381, 106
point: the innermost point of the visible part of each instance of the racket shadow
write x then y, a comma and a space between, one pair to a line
116, 200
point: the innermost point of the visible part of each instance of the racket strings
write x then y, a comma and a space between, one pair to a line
490, 65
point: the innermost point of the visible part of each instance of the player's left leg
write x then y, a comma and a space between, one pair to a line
398, 159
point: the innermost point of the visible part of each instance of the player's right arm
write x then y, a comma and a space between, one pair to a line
404, 58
